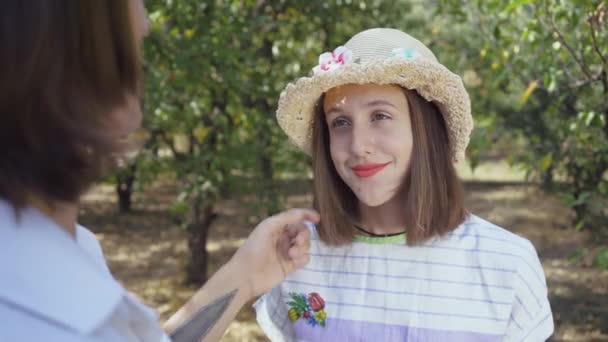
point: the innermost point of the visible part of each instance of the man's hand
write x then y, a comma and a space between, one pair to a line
277, 246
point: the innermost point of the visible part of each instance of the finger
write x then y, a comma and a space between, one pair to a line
293, 216
296, 252
302, 238
284, 243
301, 262
301, 242
298, 233
294, 229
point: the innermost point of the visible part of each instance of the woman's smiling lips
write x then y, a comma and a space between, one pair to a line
368, 170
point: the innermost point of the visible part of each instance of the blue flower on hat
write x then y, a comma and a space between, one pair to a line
406, 53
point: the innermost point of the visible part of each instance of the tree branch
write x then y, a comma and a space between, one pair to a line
563, 41
594, 20
582, 83
596, 46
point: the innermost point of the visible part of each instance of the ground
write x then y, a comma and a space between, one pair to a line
147, 251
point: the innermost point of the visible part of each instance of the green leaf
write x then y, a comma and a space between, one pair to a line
298, 300
515, 4
577, 255
582, 198
546, 162
496, 32
589, 118
529, 90
601, 260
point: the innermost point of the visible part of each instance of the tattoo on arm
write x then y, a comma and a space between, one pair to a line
201, 323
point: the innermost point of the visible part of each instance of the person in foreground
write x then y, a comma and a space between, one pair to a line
396, 256
69, 87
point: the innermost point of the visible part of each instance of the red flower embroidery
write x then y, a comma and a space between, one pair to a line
315, 301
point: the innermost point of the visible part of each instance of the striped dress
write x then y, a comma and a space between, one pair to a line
477, 283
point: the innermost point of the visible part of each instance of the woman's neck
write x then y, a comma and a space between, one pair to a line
388, 218
64, 214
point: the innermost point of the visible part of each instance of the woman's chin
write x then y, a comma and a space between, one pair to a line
373, 201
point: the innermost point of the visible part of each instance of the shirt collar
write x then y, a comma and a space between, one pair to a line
46, 272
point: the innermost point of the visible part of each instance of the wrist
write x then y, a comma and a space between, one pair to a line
242, 277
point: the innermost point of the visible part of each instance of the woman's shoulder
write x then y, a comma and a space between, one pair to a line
495, 247
483, 234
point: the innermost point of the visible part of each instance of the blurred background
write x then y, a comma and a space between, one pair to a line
214, 162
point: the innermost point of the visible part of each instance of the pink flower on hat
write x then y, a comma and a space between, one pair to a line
330, 61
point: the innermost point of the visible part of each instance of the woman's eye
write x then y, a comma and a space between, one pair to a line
380, 116
339, 122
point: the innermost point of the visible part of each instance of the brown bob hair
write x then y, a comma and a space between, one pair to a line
433, 194
64, 66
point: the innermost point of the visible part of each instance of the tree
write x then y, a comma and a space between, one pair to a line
214, 73
548, 59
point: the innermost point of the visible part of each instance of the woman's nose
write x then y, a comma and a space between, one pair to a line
362, 140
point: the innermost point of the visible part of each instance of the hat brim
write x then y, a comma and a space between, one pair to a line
430, 79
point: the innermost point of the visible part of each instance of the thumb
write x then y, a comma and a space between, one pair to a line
291, 216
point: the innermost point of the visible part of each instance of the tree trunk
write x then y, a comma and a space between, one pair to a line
198, 231
124, 189
547, 179
269, 186
270, 189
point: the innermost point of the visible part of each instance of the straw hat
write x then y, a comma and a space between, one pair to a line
381, 56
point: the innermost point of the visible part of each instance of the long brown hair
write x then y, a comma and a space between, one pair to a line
64, 66
433, 195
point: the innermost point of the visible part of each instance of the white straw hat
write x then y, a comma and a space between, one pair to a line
380, 56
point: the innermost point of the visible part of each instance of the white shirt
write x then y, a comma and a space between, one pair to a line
55, 288
477, 283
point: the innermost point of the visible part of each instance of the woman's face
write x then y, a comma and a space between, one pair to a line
370, 137
127, 118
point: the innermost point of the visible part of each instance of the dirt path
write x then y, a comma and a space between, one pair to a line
147, 252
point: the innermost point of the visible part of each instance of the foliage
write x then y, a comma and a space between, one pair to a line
544, 67
214, 73
536, 72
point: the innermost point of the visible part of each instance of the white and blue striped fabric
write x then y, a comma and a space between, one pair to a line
477, 283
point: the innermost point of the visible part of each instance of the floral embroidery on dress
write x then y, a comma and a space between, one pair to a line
309, 307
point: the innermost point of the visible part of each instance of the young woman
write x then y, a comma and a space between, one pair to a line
396, 256
69, 86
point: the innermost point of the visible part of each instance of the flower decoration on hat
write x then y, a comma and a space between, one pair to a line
406, 53
330, 61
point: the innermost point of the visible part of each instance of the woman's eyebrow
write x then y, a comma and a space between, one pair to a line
334, 110
379, 103
338, 110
